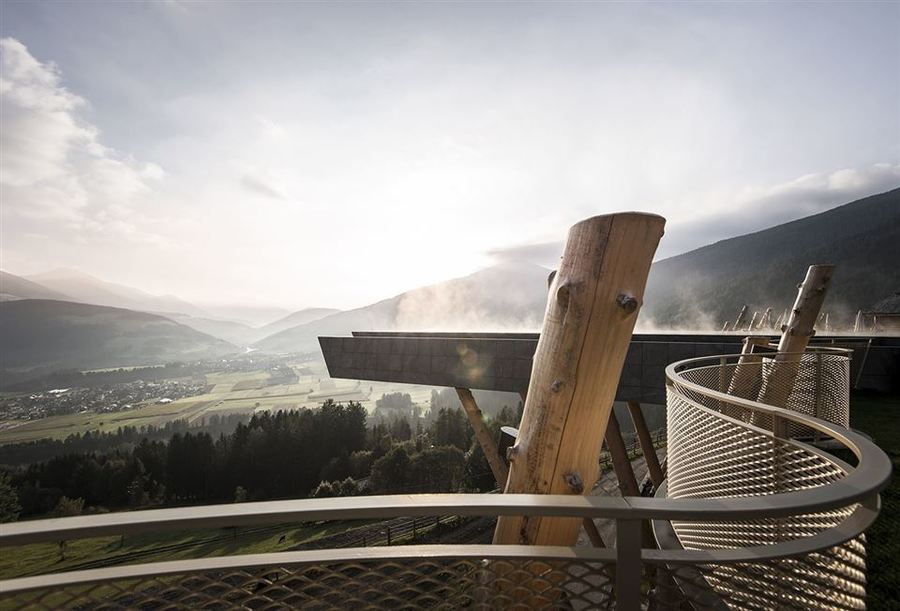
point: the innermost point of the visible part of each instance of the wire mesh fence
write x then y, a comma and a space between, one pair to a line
749, 518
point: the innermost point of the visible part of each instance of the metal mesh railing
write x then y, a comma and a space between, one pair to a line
724, 449
819, 386
406, 583
830, 579
749, 518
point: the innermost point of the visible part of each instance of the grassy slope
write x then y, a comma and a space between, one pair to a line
43, 557
879, 417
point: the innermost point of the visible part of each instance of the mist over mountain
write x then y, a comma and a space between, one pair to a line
16, 287
242, 334
236, 333
706, 286
510, 296
300, 317
250, 315
84, 288
696, 290
45, 335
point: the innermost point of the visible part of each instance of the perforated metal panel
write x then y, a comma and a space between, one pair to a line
720, 449
378, 584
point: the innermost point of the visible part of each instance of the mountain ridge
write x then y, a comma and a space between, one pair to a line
17, 287
45, 335
84, 288
862, 238
493, 298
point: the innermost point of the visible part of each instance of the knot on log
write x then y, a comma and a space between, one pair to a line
574, 482
556, 385
511, 453
627, 303
562, 295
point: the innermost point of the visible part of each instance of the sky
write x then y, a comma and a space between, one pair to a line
322, 154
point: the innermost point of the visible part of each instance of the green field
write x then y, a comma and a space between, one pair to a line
879, 417
153, 547
230, 393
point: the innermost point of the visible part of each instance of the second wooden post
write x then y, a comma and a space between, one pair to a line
592, 308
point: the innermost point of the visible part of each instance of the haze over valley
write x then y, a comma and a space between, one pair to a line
67, 319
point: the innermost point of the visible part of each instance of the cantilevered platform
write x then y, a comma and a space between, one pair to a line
502, 361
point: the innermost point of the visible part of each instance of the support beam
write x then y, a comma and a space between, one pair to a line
483, 435
619, 453
593, 533
643, 433
593, 305
779, 381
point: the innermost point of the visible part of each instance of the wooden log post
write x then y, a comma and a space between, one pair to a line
740, 319
766, 321
594, 302
778, 380
747, 371
753, 321
483, 435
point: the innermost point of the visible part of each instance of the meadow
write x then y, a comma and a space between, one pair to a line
228, 392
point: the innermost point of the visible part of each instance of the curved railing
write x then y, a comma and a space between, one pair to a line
724, 444
750, 517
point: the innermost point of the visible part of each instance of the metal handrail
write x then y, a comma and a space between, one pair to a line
860, 486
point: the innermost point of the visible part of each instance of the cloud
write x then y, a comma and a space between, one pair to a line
746, 211
540, 253
260, 186
55, 170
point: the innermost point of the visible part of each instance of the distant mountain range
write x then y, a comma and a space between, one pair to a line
76, 286
43, 335
510, 296
84, 288
697, 290
15, 287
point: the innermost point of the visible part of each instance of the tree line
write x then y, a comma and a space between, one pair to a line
328, 451
124, 438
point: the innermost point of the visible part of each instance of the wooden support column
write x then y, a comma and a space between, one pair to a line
747, 371
766, 321
740, 319
779, 380
483, 435
619, 453
753, 321
643, 433
593, 305
589, 526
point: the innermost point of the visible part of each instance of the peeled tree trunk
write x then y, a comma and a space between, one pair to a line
778, 381
593, 304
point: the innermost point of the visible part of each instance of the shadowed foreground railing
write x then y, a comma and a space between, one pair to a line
749, 518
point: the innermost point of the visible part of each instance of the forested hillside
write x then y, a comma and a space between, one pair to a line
47, 334
708, 285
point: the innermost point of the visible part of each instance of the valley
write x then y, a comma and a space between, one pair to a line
236, 387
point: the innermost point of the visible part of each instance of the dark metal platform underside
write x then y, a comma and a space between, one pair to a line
502, 361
